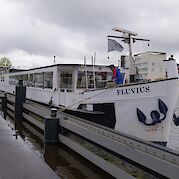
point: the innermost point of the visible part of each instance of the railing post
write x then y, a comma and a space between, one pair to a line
52, 127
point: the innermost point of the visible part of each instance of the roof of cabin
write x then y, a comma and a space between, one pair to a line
66, 65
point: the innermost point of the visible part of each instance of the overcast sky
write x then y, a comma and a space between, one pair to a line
33, 31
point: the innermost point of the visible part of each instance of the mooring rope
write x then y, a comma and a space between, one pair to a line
88, 98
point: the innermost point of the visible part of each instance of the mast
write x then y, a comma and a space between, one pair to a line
129, 38
86, 76
127, 35
94, 81
130, 50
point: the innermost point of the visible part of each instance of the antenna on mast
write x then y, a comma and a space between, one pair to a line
124, 31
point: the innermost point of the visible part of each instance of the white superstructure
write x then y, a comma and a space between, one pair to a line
147, 66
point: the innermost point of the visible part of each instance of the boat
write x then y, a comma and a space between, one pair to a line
140, 109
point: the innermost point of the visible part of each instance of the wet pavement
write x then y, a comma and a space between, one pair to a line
17, 160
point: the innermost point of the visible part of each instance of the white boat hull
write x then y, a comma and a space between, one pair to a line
144, 97
126, 100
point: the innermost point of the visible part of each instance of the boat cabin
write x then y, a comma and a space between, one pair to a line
50, 83
64, 77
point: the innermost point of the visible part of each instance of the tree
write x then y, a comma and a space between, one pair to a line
4, 61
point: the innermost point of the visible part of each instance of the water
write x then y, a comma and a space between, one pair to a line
173, 142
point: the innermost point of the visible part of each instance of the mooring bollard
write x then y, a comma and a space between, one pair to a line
4, 105
19, 100
52, 127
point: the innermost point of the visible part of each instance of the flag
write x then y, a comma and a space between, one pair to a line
114, 45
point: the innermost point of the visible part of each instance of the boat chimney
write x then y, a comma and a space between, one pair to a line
171, 67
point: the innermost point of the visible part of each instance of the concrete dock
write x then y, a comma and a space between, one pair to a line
17, 160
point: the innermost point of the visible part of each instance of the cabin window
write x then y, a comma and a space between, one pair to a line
65, 80
81, 83
100, 79
14, 80
39, 80
25, 79
31, 81
48, 80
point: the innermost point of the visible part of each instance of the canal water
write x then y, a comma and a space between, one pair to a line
173, 142
66, 163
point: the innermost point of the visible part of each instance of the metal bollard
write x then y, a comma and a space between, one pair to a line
20, 98
52, 127
4, 105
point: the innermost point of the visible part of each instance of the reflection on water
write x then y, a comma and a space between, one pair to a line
66, 163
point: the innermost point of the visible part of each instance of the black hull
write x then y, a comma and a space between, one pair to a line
103, 114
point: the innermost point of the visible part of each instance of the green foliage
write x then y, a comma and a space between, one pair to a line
4, 61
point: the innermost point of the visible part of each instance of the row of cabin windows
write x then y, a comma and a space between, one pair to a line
45, 80
40, 80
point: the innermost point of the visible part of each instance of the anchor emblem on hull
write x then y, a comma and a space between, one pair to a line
155, 115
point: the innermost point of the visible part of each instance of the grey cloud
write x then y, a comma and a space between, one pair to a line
73, 28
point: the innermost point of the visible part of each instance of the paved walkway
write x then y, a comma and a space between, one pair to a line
17, 160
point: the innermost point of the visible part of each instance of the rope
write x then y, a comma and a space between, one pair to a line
65, 108
51, 98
